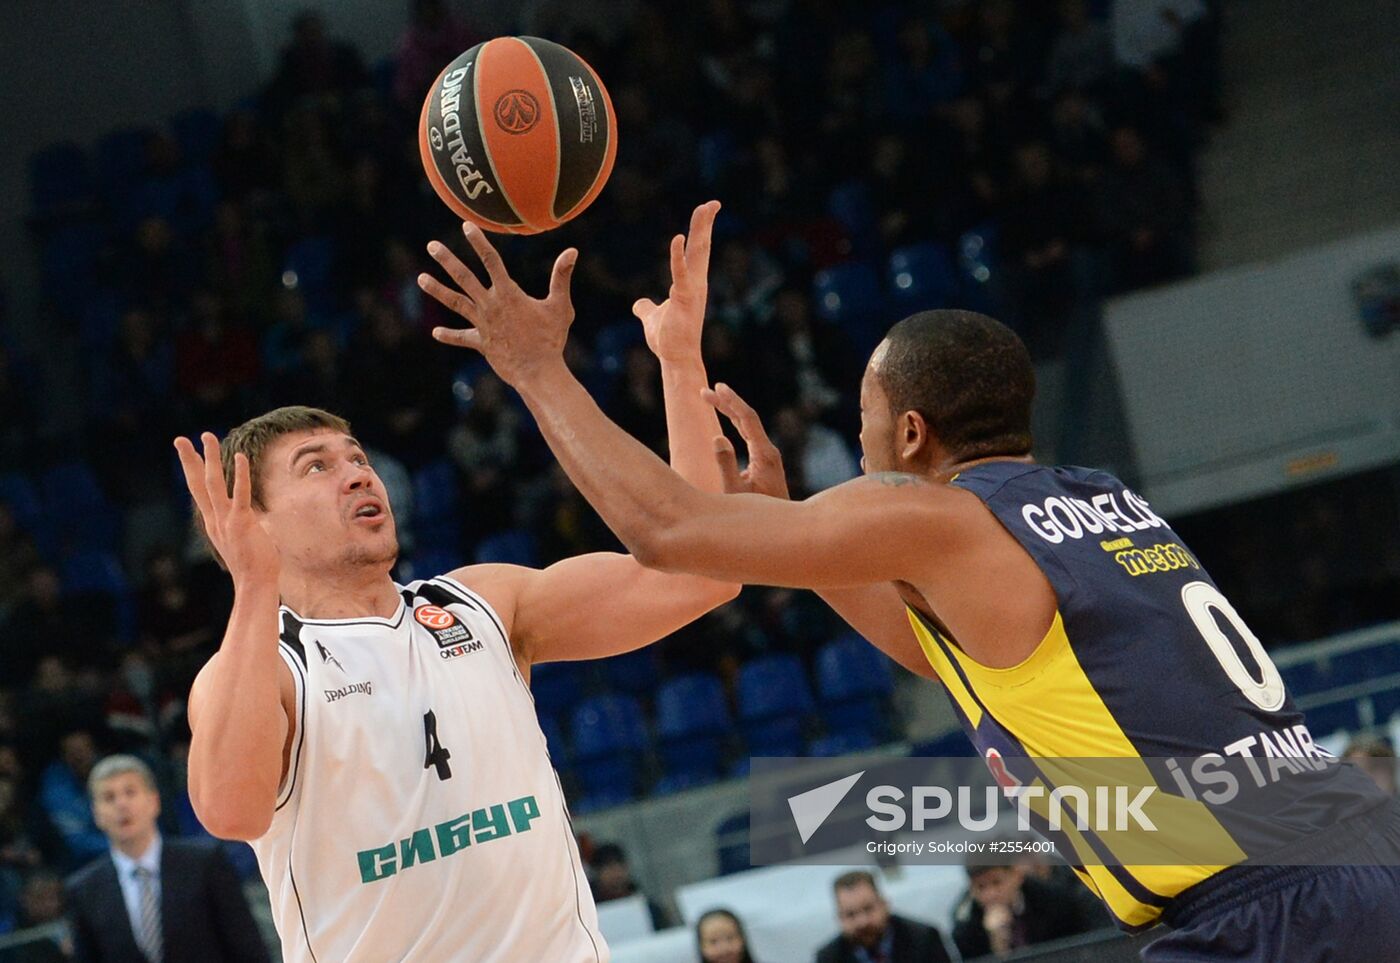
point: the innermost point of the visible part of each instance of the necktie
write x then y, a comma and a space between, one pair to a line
148, 917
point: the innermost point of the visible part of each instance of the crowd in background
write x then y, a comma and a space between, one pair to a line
273, 261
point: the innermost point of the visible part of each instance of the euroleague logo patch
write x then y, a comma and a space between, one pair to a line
453, 638
517, 111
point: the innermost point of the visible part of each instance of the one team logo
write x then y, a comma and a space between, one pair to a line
434, 617
453, 638
517, 111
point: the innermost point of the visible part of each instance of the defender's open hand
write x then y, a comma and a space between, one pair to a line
764, 474
673, 327
516, 333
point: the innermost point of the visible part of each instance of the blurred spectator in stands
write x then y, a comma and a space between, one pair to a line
612, 879
400, 396
318, 379
314, 67
36, 620
817, 357
1143, 204
149, 898
870, 932
158, 271
485, 444
172, 615
1377, 759
1042, 243
1081, 57
1004, 911
312, 169
743, 289
239, 260
18, 558
720, 938
19, 425
18, 853
246, 162
661, 141
366, 216
63, 797
563, 522
41, 901
132, 393
1079, 139
816, 457
216, 363
638, 408
924, 73
434, 38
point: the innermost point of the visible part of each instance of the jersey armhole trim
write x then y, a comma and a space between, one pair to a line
284, 795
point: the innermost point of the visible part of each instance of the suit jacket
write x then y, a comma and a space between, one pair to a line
204, 916
1052, 911
913, 943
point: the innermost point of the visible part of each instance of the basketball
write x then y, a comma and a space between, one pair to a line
518, 135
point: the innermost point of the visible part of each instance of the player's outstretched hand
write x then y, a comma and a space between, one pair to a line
515, 332
673, 327
764, 474
229, 520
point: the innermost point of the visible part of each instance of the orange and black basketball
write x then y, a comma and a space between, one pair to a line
518, 135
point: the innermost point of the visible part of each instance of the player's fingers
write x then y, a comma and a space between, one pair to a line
214, 474
743, 416
490, 257
242, 483
697, 246
729, 473
562, 276
678, 266
459, 337
193, 467
464, 276
454, 301
643, 307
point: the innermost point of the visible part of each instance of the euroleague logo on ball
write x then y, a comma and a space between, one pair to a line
517, 111
435, 138
433, 617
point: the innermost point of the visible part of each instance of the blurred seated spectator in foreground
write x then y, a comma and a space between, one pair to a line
1005, 909
1377, 759
870, 933
41, 904
720, 938
612, 879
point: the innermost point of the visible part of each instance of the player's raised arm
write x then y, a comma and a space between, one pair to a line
239, 716
861, 532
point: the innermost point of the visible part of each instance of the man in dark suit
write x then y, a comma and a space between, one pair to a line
154, 900
1007, 908
870, 933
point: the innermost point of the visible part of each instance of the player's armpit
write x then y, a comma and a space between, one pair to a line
866, 531
593, 606
878, 613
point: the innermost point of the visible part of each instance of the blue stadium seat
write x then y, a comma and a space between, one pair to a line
780, 737
95, 572
554, 737
850, 667
68, 258
1387, 704
18, 492
613, 342
72, 488
1367, 663
59, 177
437, 519
1302, 678
608, 725
841, 744
198, 132
557, 686
773, 686
732, 844
923, 276
674, 782
1326, 719
515, 546
950, 745
692, 721
635, 673
312, 261
851, 206
612, 786
850, 295
121, 155
431, 562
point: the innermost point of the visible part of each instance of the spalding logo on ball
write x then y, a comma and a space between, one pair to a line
518, 135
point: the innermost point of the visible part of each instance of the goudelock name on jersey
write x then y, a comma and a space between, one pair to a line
1145, 660
421, 818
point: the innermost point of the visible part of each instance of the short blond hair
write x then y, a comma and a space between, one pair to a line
253, 437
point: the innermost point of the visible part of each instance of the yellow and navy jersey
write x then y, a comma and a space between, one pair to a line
1145, 659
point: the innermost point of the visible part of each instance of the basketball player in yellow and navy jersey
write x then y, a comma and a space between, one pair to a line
1064, 617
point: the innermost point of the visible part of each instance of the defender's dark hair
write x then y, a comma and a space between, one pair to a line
968, 375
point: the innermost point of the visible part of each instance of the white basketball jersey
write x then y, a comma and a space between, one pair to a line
421, 818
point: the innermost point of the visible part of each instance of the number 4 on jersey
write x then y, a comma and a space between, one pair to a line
437, 754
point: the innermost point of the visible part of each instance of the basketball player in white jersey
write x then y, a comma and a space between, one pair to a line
377, 743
